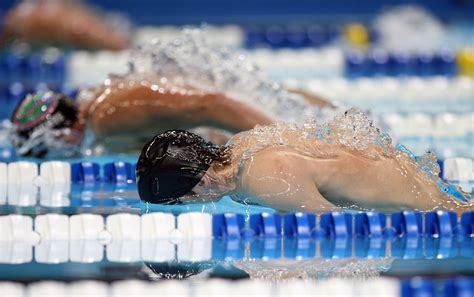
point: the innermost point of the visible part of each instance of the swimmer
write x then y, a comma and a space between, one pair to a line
65, 23
125, 110
343, 163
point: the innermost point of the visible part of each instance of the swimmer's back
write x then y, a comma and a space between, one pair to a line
344, 178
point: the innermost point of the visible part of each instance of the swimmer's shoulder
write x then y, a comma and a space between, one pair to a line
279, 158
272, 169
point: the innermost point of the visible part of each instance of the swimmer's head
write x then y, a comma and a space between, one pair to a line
172, 164
43, 123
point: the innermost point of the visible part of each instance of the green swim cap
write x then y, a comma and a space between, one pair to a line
37, 115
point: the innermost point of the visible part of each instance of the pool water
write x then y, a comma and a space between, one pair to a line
71, 235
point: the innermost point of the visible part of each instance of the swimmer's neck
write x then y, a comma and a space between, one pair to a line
220, 178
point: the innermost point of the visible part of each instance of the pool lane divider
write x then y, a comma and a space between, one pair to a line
156, 237
343, 225
234, 226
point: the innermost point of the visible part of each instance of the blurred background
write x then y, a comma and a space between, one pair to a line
410, 64
245, 12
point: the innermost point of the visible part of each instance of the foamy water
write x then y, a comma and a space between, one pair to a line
356, 132
190, 60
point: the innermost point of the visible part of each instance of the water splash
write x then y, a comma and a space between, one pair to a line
191, 61
428, 162
356, 132
353, 130
317, 268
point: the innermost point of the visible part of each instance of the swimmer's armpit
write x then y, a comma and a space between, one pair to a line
65, 23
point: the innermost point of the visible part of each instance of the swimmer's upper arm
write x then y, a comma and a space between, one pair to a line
276, 162
233, 115
281, 178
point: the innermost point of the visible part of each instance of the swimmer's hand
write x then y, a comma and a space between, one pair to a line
64, 23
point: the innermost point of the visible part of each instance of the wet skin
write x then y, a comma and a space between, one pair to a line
139, 106
285, 179
129, 109
292, 178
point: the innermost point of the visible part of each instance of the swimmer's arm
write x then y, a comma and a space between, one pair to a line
137, 108
232, 115
308, 199
280, 177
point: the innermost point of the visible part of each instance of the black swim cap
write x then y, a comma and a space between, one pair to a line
36, 116
171, 164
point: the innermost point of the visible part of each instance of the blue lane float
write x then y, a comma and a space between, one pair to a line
119, 172
440, 223
85, 172
266, 224
299, 224
407, 223
370, 224
467, 224
380, 63
293, 36
417, 287
459, 287
228, 225
336, 224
